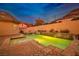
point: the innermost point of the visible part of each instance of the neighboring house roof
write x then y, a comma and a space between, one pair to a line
6, 17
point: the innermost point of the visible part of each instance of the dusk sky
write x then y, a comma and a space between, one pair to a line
29, 12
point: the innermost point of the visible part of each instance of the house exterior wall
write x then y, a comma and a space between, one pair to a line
72, 26
8, 28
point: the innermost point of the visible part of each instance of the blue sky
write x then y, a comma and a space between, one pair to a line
29, 12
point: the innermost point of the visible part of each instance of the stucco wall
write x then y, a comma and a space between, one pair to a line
72, 26
8, 28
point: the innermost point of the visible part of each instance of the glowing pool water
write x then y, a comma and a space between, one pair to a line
47, 40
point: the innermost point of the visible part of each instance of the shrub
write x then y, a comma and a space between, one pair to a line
64, 31
75, 18
51, 30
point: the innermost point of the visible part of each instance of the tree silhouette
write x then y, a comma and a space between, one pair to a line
39, 22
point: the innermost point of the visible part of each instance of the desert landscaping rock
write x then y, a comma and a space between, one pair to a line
68, 52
